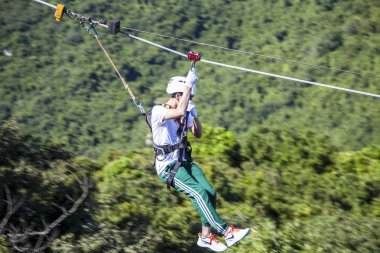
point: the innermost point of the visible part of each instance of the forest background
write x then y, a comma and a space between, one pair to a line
299, 163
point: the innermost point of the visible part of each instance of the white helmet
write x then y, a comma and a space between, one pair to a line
177, 84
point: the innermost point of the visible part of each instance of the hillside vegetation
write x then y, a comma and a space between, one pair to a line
59, 85
300, 164
296, 191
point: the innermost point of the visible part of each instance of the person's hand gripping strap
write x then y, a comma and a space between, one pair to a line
191, 78
193, 91
191, 109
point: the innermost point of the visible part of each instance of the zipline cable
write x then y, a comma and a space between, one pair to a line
251, 53
292, 79
232, 66
256, 71
153, 44
45, 3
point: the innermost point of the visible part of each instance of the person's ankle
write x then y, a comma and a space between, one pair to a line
227, 231
205, 235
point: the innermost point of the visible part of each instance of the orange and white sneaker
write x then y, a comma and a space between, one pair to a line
211, 242
234, 235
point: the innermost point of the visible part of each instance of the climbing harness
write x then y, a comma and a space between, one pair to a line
183, 150
102, 23
163, 150
183, 146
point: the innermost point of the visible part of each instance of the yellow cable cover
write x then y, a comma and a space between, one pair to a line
59, 12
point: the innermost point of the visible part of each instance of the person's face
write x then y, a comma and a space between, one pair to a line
178, 95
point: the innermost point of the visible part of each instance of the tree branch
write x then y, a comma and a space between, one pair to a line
84, 186
11, 209
16, 237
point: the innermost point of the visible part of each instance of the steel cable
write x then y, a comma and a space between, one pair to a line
232, 66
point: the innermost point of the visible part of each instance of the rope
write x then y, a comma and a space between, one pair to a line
229, 66
251, 53
136, 101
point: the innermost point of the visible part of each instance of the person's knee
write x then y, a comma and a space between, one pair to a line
205, 194
212, 193
208, 194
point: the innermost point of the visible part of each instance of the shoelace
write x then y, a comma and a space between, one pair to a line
232, 230
211, 237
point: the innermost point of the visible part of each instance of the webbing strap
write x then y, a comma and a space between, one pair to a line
172, 174
166, 149
182, 148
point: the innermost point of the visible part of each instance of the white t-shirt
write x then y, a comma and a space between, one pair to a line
165, 133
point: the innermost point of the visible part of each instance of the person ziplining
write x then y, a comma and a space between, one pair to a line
169, 123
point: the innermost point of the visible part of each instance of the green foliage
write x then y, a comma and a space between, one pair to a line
329, 42
59, 86
37, 183
340, 233
16, 147
281, 148
3, 245
120, 186
300, 164
296, 191
298, 177
216, 144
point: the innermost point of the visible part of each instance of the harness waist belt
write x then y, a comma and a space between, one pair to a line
166, 149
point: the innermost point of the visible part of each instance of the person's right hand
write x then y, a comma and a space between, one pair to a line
191, 78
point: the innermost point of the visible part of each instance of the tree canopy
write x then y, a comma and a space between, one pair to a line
299, 164
58, 85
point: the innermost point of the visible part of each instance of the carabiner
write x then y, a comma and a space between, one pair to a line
138, 104
91, 27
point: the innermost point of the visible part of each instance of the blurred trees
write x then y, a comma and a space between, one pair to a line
41, 189
297, 191
300, 164
59, 86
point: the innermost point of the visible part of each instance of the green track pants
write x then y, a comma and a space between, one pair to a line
191, 181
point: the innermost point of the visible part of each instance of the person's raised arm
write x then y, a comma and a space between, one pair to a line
180, 110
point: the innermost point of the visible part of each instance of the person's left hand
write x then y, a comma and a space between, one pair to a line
191, 109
